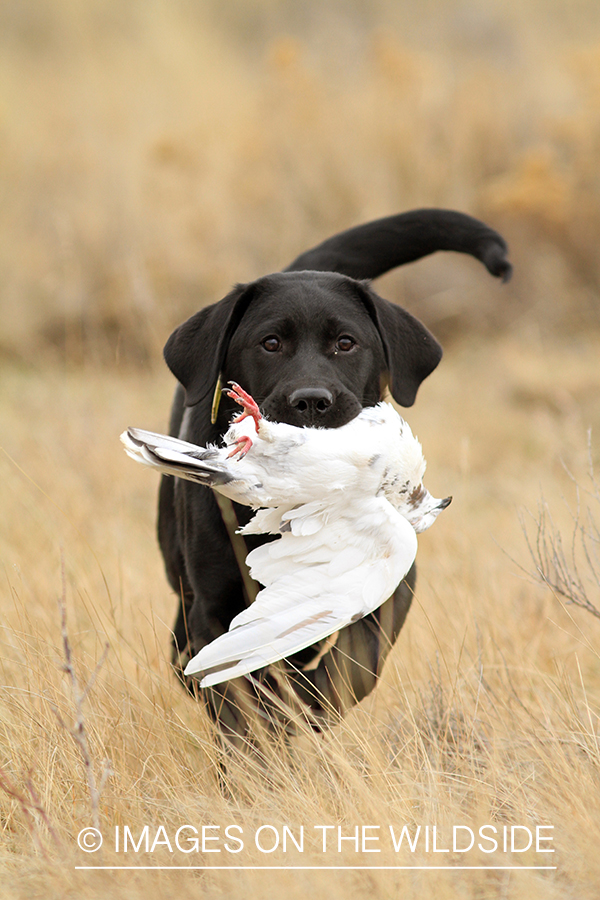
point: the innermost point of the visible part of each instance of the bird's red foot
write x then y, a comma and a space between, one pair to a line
248, 403
241, 446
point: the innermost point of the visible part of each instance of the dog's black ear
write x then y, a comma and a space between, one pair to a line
412, 352
196, 350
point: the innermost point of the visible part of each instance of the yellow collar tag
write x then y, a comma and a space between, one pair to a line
214, 410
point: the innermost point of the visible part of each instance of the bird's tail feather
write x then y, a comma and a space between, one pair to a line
174, 457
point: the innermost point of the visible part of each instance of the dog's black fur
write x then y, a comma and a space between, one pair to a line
313, 344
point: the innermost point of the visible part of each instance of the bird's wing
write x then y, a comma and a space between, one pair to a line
286, 621
316, 584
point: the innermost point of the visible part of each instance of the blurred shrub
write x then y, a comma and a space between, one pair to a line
152, 154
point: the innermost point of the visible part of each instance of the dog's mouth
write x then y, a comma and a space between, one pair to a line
313, 408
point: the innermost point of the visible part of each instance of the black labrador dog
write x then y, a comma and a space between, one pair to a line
313, 344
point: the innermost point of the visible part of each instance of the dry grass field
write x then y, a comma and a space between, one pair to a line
152, 154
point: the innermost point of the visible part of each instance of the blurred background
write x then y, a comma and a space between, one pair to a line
153, 153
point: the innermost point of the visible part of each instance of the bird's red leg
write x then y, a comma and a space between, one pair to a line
242, 446
251, 409
248, 403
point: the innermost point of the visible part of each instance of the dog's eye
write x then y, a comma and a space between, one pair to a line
271, 344
345, 343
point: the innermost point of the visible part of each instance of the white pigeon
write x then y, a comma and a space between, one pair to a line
346, 504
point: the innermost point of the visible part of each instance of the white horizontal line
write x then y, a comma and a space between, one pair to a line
318, 868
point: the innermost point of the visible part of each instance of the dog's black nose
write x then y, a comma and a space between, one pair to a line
311, 400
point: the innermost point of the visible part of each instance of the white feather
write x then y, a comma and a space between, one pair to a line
346, 504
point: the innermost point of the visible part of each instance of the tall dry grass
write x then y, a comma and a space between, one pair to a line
487, 711
150, 155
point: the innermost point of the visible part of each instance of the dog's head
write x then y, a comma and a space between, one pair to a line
311, 347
